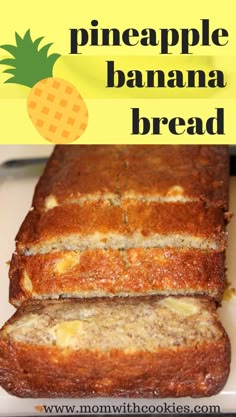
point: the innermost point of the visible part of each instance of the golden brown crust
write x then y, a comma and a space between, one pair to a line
193, 219
39, 372
113, 272
31, 370
152, 170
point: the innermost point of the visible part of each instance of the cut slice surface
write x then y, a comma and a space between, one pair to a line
120, 347
130, 324
110, 272
134, 224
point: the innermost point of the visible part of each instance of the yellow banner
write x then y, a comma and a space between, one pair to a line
127, 73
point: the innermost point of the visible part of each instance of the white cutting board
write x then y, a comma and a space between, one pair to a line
15, 200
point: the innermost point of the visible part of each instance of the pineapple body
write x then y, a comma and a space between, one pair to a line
57, 110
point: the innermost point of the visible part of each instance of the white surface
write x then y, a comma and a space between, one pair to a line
15, 198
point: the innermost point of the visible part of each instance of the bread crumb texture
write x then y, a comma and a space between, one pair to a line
134, 224
127, 324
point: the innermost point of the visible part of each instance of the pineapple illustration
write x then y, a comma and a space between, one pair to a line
54, 105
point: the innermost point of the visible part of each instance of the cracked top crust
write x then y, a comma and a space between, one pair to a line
149, 172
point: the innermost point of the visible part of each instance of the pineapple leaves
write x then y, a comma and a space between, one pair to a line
7, 61
18, 39
45, 48
9, 48
37, 41
10, 71
29, 62
53, 58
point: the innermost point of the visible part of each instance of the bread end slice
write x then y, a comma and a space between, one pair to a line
120, 347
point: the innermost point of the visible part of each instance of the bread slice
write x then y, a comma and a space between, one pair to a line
99, 273
133, 224
127, 347
161, 173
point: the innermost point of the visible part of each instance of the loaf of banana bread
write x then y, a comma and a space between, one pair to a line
117, 268
119, 347
125, 220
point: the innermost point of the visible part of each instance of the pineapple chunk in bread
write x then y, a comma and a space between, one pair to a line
128, 347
